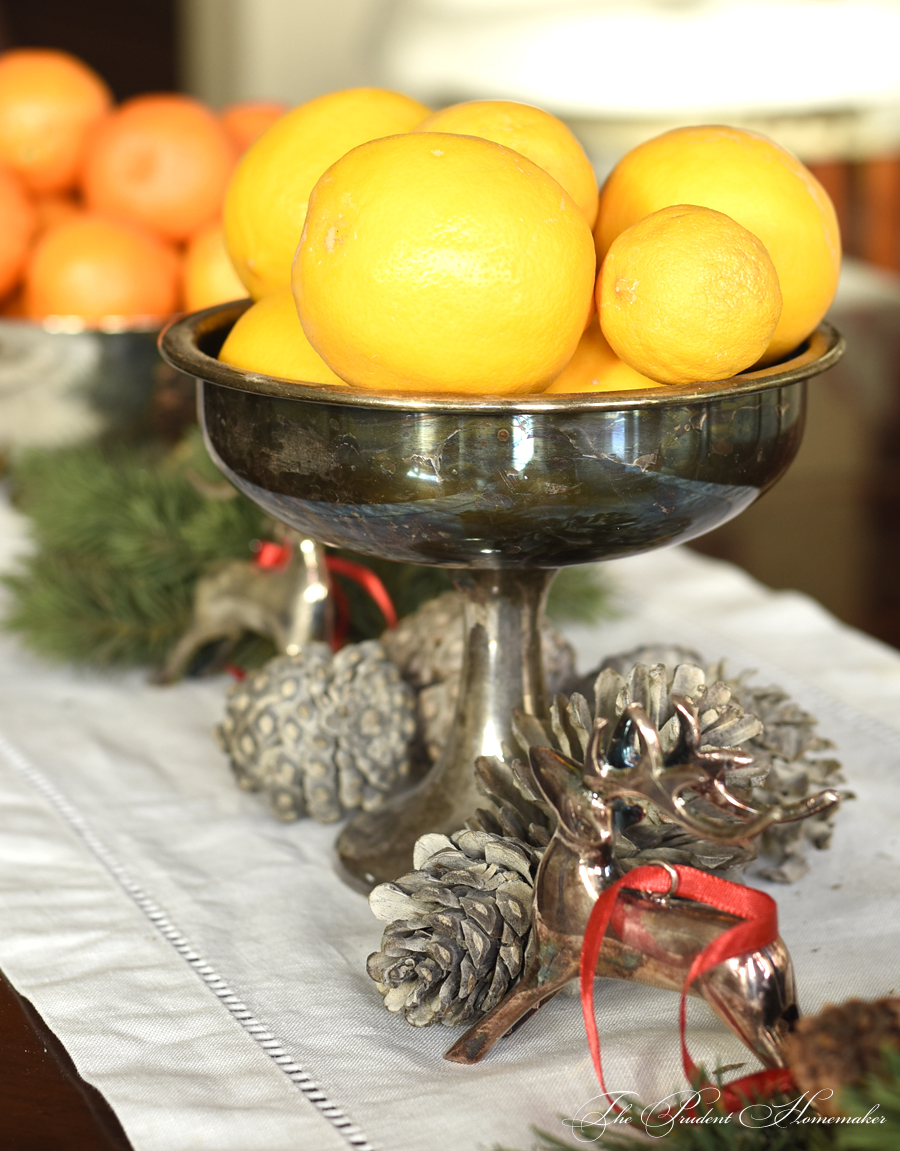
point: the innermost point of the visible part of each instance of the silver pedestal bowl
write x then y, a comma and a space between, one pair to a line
507, 491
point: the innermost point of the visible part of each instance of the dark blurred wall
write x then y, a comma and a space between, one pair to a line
131, 43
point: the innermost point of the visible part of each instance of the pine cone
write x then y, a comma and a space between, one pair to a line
427, 646
321, 734
841, 1046
784, 746
789, 743
458, 927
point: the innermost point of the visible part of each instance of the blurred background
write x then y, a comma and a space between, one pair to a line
822, 77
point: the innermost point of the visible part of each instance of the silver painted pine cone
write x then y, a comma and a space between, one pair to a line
458, 927
321, 734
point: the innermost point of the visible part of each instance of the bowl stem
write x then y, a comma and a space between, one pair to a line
501, 670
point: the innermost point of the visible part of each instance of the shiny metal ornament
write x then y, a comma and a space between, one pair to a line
506, 490
291, 605
753, 994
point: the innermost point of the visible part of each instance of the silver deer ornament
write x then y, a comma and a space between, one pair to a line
653, 940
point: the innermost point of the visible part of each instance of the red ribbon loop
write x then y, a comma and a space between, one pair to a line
759, 929
369, 582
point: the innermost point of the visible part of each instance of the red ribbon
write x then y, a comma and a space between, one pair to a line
369, 582
272, 556
758, 929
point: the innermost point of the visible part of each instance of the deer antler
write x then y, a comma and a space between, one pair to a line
634, 766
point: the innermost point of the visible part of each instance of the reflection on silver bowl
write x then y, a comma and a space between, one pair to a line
62, 383
507, 489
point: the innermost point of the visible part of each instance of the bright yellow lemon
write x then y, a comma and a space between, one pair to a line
268, 339
687, 295
759, 185
265, 205
434, 262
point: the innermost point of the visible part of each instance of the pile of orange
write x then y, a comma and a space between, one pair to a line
112, 213
468, 250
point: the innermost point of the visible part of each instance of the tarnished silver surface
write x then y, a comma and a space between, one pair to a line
309, 615
510, 488
754, 995
502, 671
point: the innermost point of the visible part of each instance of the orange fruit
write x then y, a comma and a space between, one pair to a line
432, 262
759, 185
159, 161
265, 206
536, 134
246, 120
49, 101
97, 268
687, 295
595, 367
209, 275
268, 339
18, 223
54, 207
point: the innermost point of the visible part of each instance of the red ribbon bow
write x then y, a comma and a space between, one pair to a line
760, 928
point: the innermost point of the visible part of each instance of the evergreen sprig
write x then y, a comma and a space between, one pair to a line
121, 538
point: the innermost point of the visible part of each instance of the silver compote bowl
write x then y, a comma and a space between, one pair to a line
506, 491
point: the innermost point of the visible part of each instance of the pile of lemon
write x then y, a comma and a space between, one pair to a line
391, 248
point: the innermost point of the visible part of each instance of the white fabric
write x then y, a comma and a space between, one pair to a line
139, 889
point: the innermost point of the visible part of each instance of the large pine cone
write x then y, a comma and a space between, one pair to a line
458, 927
321, 734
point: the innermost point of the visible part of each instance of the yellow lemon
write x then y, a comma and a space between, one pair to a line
265, 205
434, 262
687, 295
268, 339
209, 275
595, 367
536, 134
759, 185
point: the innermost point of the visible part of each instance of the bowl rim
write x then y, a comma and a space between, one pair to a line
112, 325
178, 345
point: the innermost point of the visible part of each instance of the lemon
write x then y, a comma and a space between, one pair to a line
436, 262
269, 340
758, 184
537, 134
595, 367
265, 204
687, 295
